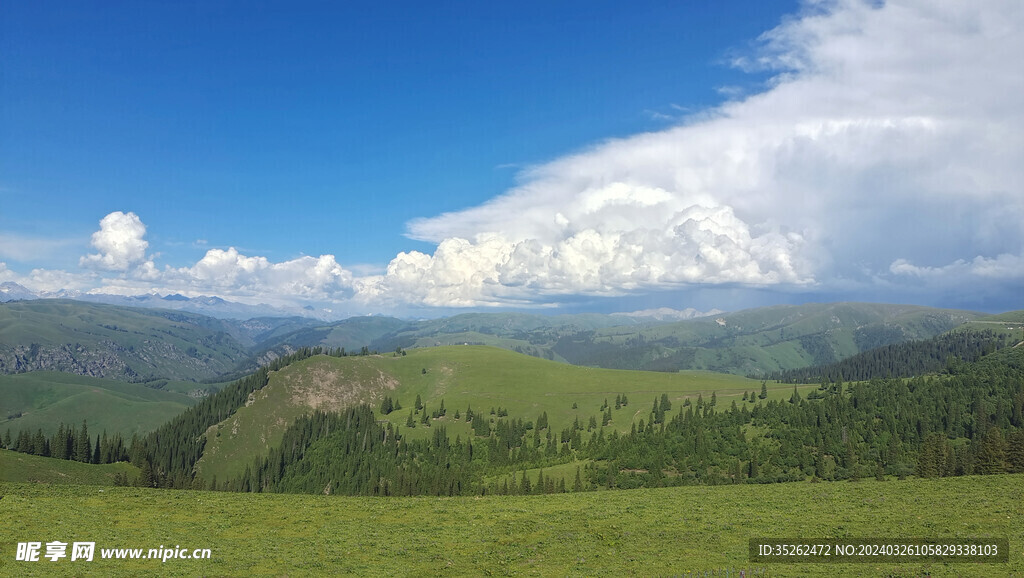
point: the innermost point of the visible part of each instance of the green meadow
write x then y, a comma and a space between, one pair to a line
45, 399
19, 467
657, 532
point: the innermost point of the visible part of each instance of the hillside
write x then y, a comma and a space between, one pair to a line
463, 377
44, 400
114, 342
760, 341
19, 467
942, 353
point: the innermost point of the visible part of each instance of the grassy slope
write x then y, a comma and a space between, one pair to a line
47, 398
476, 376
668, 531
759, 341
1010, 323
18, 467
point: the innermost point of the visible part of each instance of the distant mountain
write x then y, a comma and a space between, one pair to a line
759, 341
211, 306
128, 344
11, 291
140, 344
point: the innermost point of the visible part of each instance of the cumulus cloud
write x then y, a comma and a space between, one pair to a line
230, 273
226, 272
48, 280
1001, 267
120, 242
889, 132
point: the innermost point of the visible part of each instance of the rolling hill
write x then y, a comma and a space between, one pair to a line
478, 377
45, 399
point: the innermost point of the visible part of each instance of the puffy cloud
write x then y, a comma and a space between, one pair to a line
122, 249
1005, 266
48, 280
228, 272
889, 132
120, 242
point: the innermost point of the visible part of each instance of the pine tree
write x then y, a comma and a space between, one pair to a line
577, 485
764, 390
410, 423
419, 402
991, 453
1015, 452
83, 450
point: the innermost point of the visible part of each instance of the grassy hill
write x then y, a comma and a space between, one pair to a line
1010, 323
669, 531
18, 467
45, 399
114, 342
462, 376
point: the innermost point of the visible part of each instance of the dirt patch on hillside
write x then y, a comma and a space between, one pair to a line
334, 389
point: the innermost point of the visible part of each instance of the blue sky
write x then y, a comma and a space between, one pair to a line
580, 155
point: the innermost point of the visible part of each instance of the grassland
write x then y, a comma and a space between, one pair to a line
463, 376
45, 399
18, 467
1010, 324
669, 531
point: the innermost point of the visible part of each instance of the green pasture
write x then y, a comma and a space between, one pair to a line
45, 399
657, 532
19, 467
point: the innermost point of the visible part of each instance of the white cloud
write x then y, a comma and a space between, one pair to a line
120, 244
1006, 266
48, 280
227, 272
890, 132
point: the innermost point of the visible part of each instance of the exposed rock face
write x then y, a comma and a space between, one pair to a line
112, 360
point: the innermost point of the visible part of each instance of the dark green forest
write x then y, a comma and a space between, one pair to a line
920, 357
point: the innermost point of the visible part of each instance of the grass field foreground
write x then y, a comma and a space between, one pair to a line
668, 531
